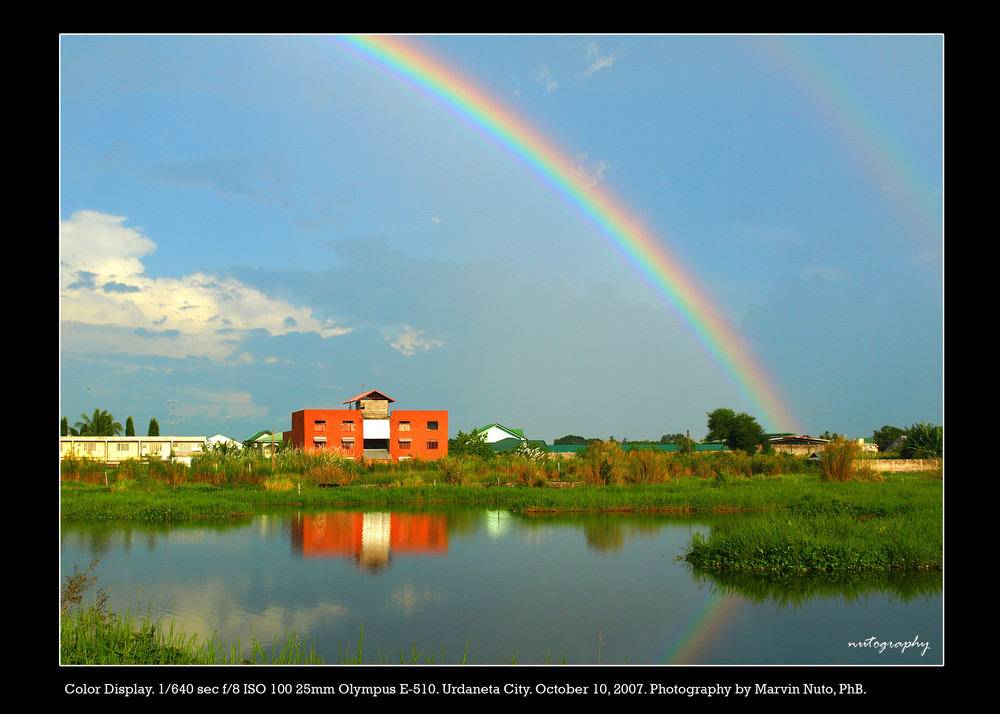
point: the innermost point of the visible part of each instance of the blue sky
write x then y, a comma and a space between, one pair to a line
253, 225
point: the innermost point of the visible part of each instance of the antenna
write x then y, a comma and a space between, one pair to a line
172, 402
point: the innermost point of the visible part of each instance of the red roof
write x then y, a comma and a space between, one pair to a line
368, 395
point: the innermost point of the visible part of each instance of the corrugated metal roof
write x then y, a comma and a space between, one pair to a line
799, 440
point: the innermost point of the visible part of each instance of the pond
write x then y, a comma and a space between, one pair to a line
492, 587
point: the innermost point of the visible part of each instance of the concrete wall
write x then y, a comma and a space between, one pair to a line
904, 465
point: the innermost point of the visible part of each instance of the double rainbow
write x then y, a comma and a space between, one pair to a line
415, 68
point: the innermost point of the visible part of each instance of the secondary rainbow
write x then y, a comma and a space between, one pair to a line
399, 57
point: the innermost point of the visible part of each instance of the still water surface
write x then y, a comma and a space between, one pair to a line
490, 587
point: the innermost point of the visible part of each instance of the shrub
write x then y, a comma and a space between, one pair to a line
452, 471
646, 466
602, 463
837, 460
923, 441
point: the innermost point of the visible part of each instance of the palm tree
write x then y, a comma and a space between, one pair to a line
100, 424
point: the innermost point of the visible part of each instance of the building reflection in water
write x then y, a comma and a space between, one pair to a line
370, 539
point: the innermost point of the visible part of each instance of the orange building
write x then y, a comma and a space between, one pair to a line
367, 428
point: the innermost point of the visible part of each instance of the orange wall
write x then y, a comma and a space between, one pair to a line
323, 429
420, 434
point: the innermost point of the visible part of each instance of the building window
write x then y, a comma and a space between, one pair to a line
432, 445
319, 444
347, 426
347, 444
404, 426
122, 446
432, 426
320, 426
90, 446
404, 444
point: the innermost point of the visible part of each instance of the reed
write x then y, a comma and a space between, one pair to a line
602, 464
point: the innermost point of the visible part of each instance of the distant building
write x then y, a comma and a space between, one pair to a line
569, 451
115, 449
369, 429
498, 432
222, 440
897, 443
798, 445
265, 443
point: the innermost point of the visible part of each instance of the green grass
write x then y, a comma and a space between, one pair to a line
784, 542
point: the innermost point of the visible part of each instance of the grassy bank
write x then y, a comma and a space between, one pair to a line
806, 523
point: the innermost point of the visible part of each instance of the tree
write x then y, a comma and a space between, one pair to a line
471, 444
737, 431
685, 444
129, 427
923, 441
671, 438
570, 439
885, 436
101, 423
64, 427
154, 428
720, 424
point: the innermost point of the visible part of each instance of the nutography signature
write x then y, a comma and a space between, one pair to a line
874, 643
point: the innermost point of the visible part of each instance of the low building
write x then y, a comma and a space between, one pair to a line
265, 443
570, 451
368, 429
799, 445
493, 433
222, 441
115, 449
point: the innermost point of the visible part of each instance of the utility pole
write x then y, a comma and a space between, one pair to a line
172, 401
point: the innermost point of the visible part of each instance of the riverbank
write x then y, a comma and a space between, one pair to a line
810, 524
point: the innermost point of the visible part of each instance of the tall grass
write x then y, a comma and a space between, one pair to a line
843, 460
601, 464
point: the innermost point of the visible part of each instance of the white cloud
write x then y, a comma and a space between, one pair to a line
543, 78
592, 171
109, 304
597, 61
408, 340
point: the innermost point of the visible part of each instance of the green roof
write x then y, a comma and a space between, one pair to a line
508, 429
579, 448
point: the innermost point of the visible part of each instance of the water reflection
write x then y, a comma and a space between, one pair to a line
798, 588
489, 585
368, 538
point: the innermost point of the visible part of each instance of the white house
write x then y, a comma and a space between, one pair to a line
498, 432
212, 441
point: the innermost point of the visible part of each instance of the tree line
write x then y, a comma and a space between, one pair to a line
102, 423
741, 432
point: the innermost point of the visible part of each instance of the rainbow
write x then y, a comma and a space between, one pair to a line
891, 172
403, 60
705, 627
